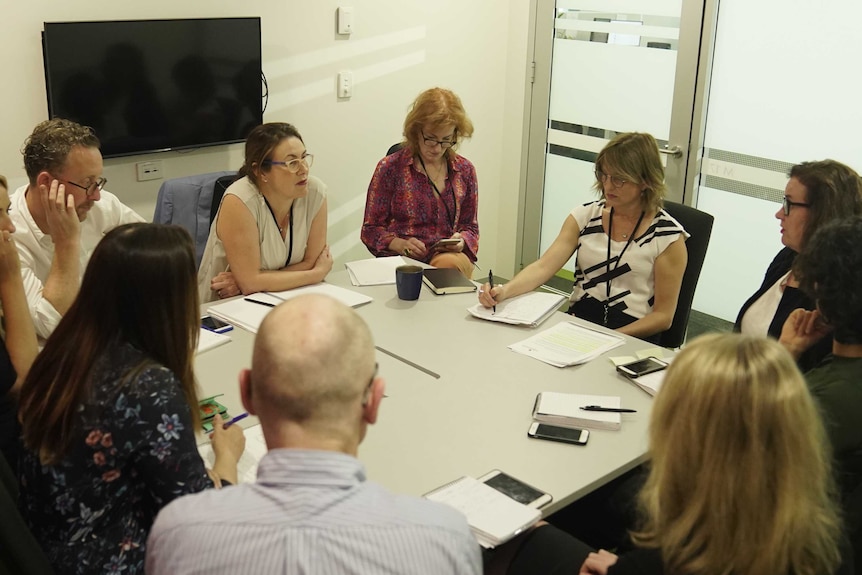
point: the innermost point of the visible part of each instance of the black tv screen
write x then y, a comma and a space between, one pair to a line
150, 85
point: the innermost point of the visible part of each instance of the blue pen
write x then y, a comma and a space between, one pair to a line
235, 419
491, 283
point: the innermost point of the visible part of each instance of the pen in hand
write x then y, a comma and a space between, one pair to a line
491, 283
235, 419
609, 409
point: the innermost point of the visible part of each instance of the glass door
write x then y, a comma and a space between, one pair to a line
603, 67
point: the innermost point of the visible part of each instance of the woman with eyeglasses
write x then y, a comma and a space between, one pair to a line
630, 253
817, 193
270, 229
425, 192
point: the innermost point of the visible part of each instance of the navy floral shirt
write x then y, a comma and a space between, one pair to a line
133, 453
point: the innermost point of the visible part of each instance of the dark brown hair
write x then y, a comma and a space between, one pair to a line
49, 145
833, 191
140, 287
260, 143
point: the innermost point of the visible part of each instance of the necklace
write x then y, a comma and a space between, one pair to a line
619, 259
281, 228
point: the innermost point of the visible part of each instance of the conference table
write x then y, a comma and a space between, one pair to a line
459, 402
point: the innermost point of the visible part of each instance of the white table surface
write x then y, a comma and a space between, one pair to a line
472, 415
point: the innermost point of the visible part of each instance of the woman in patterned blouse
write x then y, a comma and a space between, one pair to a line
109, 407
425, 192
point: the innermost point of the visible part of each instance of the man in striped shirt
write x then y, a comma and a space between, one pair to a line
314, 386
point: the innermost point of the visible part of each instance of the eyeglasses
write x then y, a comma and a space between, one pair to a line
617, 181
96, 186
293, 165
786, 205
370, 383
431, 142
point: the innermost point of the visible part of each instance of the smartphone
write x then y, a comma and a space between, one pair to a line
516, 489
561, 434
641, 367
216, 325
447, 242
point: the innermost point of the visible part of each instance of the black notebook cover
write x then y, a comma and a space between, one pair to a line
447, 280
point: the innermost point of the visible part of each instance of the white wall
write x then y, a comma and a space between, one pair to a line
476, 48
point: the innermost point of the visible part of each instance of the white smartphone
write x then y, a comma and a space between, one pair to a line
447, 242
516, 489
641, 367
561, 434
214, 324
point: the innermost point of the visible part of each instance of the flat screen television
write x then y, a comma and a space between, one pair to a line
155, 85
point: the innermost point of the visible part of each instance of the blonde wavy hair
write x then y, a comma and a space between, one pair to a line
436, 107
634, 157
740, 478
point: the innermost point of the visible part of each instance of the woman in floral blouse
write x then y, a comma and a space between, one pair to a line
426, 192
109, 408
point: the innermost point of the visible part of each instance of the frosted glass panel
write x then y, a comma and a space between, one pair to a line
659, 7
613, 86
783, 90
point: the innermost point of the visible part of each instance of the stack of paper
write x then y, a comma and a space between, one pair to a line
209, 339
567, 344
246, 467
528, 309
493, 517
564, 410
248, 312
374, 271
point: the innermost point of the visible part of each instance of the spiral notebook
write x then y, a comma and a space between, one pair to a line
493, 517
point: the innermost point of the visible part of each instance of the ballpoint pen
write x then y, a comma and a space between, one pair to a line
235, 419
609, 409
491, 283
257, 301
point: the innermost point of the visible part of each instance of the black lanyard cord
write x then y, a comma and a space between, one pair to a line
619, 259
290, 225
449, 217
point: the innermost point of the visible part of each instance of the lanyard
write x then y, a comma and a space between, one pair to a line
619, 259
449, 217
290, 225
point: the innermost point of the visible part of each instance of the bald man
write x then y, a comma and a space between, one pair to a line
314, 386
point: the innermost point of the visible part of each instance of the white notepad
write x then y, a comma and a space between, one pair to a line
564, 409
374, 271
493, 517
527, 309
210, 339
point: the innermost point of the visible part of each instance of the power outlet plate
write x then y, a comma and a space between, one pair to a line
149, 171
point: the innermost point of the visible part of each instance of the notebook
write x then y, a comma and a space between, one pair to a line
564, 409
527, 309
493, 517
447, 280
246, 467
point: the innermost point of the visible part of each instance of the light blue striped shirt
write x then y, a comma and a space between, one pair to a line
310, 512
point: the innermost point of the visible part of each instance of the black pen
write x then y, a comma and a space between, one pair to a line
257, 301
491, 283
610, 409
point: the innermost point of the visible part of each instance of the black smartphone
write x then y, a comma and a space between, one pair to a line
641, 367
516, 489
561, 434
215, 324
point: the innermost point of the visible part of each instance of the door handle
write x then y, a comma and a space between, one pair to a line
675, 151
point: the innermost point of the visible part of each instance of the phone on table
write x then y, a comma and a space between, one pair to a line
641, 367
215, 324
516, 489
561, 434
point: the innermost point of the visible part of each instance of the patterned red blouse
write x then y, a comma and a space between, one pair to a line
402, 203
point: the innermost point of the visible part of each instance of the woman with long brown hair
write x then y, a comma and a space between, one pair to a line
109, 408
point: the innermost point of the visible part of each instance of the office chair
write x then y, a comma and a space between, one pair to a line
394, 148
188, 202
221, 184
699, 225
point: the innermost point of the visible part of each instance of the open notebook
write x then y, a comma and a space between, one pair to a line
527, 309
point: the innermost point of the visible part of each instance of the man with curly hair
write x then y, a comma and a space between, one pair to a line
60, 216
830, 272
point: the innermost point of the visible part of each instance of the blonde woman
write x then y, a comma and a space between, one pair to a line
631, 253
739, 481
